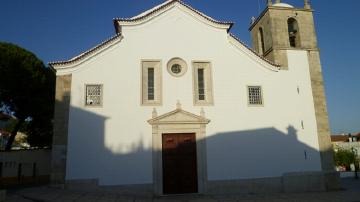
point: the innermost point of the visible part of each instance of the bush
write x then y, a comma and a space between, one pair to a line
345, 157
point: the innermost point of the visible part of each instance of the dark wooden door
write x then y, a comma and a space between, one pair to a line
179, 163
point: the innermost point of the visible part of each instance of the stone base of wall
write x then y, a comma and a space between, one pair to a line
311, 181
81, 185
289, 182
93, 185
260, 185
11, 182
130, 190
332, 180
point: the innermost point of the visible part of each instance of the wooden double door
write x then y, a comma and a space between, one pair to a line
179, 163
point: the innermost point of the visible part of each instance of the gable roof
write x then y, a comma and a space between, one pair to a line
83, 55
162, 8
277, 66
148, 14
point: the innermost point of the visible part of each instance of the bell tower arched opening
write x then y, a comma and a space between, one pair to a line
293, 30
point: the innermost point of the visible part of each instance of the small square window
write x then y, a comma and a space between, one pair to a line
93, 95
255, 95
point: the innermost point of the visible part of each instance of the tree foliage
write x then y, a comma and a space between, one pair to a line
345, 157
27, 90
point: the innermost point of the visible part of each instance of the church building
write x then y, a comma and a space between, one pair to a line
174, 103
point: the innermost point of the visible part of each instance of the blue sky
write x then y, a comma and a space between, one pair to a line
61, 29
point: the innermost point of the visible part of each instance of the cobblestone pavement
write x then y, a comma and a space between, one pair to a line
351, 193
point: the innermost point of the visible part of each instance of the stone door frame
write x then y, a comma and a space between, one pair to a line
178, 121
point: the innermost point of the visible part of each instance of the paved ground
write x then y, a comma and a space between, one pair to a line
351, 193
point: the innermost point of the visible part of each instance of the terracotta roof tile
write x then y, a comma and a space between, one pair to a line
339, 138
252, 50
88, 52
168, 4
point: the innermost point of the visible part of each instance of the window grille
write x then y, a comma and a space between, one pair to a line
255, 96
93, 95
151, 86
201, 84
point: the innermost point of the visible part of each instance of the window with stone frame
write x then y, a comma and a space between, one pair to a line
203, 92
255, 95
94, 93
151, 88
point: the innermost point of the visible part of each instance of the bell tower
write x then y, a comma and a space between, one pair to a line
282, 27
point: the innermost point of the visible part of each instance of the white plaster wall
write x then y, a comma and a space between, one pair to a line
112, 143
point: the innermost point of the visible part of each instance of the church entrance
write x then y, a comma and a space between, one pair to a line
179, 152
179, 163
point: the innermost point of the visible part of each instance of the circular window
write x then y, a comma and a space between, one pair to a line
177, 67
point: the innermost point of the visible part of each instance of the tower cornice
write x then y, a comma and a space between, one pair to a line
276, 8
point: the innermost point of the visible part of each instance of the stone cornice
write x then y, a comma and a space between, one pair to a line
276, 8
178, 116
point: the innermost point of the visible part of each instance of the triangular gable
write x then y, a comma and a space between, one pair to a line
148, 15
159, 9
178, 116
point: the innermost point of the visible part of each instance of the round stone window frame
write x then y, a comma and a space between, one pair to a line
180, 62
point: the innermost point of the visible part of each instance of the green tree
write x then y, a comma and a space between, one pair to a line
345, 157
27, 91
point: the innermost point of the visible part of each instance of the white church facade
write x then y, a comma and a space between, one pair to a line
174, 103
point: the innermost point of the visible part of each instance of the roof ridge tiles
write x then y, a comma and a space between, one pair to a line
82, 55
158, 8
256, 53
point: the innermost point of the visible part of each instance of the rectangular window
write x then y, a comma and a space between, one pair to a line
151, 82
203, 92
93, 95
255, 95
151, 89
201, 84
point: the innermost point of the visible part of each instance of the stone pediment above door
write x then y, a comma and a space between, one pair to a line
178, 116
178, 122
